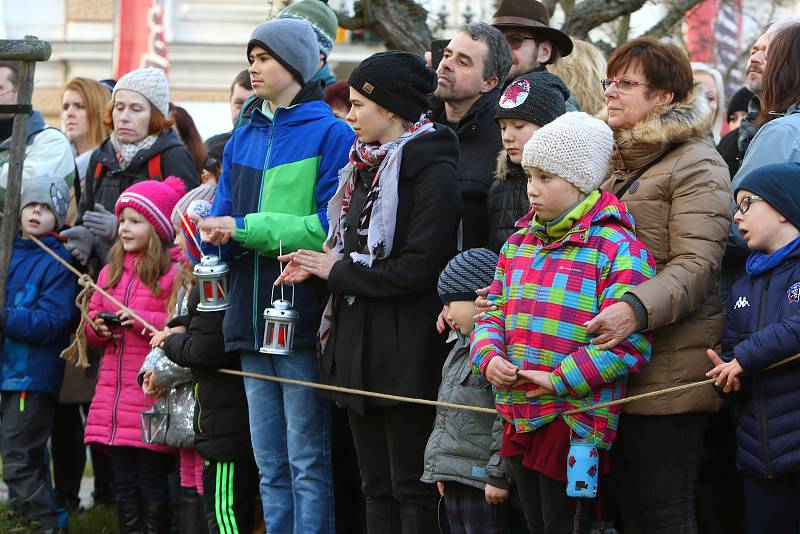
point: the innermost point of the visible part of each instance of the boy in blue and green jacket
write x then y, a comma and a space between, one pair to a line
278, 174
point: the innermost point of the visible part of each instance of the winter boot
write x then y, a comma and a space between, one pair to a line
192, 516
129, 515
156, 517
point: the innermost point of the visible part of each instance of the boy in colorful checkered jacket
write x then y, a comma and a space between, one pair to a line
575, 254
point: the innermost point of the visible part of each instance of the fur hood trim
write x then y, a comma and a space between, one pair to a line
675, 123
505, 170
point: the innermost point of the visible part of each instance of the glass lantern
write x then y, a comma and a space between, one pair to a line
279, 324
154, 426
211, 274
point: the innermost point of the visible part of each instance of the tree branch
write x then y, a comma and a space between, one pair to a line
592, 13
674, 16
550, 5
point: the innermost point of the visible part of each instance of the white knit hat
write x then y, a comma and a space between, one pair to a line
575, 147
149, 82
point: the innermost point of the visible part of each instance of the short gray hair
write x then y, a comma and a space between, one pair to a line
498, 60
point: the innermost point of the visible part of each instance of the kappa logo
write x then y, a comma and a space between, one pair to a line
794, 293
741, 302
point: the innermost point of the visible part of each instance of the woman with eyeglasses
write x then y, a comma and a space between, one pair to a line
668, 174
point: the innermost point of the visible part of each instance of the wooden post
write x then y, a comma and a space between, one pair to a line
28, 50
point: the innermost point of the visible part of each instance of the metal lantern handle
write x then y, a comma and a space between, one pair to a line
272, 294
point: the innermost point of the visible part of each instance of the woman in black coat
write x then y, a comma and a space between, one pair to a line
393, 227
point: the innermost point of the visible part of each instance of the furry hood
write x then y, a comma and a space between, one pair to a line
675, 123
505, 170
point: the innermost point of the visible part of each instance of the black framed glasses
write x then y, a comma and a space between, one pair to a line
623, 85
515, 40
744, 205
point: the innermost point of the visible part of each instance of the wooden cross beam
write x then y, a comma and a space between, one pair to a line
28, 50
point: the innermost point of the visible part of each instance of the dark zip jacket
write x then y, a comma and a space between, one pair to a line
762, 326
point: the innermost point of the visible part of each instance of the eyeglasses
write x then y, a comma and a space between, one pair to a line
515, 40
744, 205
623, 85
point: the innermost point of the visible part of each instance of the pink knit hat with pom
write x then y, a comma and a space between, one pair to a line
155, 201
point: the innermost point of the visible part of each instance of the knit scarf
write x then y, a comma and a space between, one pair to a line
759, 262
376, 223
127, 151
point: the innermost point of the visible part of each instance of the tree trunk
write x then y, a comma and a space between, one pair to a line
401, 24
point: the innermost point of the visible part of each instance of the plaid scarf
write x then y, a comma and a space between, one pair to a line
127, 151
377, 219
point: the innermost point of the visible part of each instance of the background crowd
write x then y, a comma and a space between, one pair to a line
520, 224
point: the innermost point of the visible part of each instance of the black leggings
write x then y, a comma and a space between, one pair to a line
141, 474
545, 503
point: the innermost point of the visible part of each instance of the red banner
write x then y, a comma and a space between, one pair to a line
139, 36
700, 31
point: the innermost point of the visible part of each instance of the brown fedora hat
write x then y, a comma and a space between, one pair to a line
533, 16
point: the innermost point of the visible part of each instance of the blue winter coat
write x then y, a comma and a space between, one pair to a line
762, 326
278, 175
38, 318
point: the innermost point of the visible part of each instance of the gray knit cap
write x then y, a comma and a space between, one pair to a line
47, 189
292, 42
471, 270
149, 82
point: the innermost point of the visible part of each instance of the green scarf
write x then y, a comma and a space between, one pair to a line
561, 226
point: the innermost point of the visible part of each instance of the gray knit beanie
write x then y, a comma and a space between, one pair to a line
47, 189
149, 82
292, 42
575, 147
471, 270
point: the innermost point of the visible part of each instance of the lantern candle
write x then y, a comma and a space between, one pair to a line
211, 275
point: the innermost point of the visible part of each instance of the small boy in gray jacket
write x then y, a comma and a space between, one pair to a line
462, 456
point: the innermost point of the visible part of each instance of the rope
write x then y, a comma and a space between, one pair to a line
86, 280
76, 352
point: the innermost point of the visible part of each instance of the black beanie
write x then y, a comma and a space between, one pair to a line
471, 270
397, 81
740, 100
779, 185
536, 97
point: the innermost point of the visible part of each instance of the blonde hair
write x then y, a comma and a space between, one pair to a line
719, 87
154, 263
95, 98
582, 71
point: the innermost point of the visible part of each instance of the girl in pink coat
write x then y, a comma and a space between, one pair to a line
140, 274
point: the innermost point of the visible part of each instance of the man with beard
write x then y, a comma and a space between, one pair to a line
734, 144
534, 44
472, 71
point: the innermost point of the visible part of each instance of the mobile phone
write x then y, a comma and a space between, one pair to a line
437, 51
111, 319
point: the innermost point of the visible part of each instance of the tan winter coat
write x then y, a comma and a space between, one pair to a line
681, 206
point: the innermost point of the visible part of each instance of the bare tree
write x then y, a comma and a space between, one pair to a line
400, 24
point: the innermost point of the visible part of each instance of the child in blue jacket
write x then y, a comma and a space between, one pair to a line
36, 322
278, 174
762, 327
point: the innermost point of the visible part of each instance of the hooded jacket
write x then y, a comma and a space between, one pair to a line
38, 318
479, 141
682, 208
549, 282
278, 174
762, 327
48, 152
115, 414
105, 181
508, 201
385, 339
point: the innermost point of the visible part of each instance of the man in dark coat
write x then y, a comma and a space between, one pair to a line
474, 66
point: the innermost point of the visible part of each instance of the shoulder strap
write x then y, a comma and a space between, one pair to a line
154, 168
638, 174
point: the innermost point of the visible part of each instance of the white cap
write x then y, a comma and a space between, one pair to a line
149, 82
575, 147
